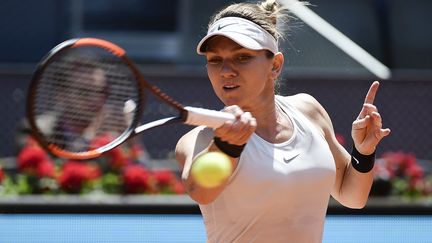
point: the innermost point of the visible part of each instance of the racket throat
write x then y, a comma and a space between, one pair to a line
158, 123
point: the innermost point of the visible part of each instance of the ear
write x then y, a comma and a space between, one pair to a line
278, 61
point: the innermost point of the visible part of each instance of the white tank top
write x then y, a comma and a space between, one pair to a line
279, 192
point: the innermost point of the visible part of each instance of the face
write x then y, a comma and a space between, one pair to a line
239, 76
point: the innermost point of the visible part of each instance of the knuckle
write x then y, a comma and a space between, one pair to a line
232, 109
247, 115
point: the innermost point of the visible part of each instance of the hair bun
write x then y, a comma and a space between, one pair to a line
270, 5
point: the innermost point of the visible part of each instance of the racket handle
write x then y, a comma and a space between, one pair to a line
209, 118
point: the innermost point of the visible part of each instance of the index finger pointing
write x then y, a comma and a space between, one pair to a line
370, 96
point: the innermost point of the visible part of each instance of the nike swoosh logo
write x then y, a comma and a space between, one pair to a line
287, 160
356, 160
223, 26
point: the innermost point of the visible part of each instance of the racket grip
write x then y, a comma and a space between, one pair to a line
209, 118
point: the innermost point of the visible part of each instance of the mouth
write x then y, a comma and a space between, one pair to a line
230, 87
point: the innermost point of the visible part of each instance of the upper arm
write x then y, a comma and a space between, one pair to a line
190, 145
319, 117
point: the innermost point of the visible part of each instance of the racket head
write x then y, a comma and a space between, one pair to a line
85, 98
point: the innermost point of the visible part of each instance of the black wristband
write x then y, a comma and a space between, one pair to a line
229, 149
362, 163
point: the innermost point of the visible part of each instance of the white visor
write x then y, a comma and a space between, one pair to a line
244, 32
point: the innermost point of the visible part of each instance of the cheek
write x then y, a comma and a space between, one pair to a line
213, 76
256, 78
211, 73
213, 82
213, 69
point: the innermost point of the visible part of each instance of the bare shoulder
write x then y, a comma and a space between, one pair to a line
312, 109
308, 105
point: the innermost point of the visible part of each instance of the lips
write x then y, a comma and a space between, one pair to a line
230, 87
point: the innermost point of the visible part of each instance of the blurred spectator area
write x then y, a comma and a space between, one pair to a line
394, 31
162, 36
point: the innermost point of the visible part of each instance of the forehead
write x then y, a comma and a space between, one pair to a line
219, 43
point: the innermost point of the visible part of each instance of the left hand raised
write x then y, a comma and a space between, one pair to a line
367, 129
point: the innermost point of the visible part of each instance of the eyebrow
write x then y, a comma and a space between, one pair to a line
238, 47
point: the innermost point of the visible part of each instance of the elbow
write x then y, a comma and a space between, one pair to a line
355, 203
202, 200
198, 194
352, 200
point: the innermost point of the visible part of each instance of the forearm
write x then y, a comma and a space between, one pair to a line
355, 187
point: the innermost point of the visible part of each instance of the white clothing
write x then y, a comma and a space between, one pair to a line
278, 192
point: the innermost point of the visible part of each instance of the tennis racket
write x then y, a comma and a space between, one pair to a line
86, 88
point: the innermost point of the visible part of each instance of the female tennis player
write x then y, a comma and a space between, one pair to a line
287, 160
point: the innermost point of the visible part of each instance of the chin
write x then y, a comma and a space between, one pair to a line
230, 102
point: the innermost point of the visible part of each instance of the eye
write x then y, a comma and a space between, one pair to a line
244, 58
214, 61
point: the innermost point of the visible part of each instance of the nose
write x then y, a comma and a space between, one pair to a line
228, 70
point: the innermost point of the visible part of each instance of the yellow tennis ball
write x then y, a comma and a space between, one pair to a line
211, 169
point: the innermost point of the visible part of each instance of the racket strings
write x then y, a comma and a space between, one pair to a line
85, 96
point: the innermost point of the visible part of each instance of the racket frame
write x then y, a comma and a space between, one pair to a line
138, 112
188, 115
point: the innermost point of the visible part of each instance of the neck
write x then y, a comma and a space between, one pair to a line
272, 125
